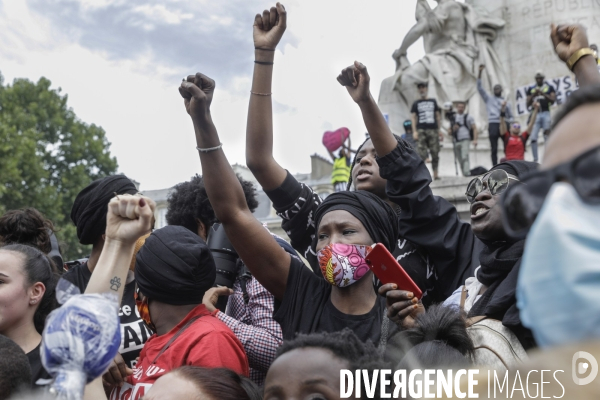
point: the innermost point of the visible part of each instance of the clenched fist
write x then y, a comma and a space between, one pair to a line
129, 217
197, 92
356, 80
567, 39
269, 27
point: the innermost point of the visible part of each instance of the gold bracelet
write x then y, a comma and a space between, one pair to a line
586, 51
260, 94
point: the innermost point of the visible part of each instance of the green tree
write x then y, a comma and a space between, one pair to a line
47, 155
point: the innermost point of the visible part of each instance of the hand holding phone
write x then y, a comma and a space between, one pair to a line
387, 270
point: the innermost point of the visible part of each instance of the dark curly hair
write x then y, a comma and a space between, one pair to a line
188, 201
15, 372
439, 338
398, 139
37, 267
345, 345
220, 383
26, 226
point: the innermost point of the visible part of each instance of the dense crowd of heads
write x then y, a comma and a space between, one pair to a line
382, 276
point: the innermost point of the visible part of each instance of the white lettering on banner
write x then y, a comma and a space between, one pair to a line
133, 336
563, 86
129, 392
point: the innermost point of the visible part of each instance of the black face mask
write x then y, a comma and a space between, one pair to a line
522, 203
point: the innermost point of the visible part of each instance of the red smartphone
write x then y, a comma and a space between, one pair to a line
386, 268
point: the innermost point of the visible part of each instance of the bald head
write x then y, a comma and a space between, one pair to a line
577, 128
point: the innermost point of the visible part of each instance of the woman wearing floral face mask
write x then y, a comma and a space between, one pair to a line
347, 224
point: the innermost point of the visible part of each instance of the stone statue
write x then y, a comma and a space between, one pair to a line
457, 39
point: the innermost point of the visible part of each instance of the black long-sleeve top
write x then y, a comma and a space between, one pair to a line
428, 221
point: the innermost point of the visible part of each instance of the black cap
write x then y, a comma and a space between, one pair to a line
91, 206
175, 266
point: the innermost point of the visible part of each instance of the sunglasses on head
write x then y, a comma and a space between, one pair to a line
496, 182
522, 203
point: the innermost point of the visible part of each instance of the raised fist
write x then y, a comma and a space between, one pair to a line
269, 27
197, 92
129, 217
356, 80
567, 39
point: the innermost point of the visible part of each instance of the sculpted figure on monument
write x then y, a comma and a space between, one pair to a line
457, 39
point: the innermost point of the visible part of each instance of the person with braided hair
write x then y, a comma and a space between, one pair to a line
295, 202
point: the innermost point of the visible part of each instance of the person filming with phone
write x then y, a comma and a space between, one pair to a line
478, 256
347, 225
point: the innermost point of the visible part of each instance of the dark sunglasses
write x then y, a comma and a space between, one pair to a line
497, 182
522, 203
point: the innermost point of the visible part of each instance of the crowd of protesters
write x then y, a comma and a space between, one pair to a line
293, 315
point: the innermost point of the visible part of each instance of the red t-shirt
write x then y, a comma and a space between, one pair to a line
207, 342
515, 146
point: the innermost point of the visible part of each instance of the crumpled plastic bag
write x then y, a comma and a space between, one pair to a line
80, 339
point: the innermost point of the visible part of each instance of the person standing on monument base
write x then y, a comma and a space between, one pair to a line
544, 94
340, 175
515, 141
426, 118
493, 105
464, 132
408, 133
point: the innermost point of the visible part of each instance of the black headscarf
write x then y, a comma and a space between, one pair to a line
91, 205
175, 266
517, 168
378, 217
500, 264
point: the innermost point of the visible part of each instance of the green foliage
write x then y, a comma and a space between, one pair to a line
47, 155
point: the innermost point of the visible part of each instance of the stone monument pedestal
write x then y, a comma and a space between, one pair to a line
522, 47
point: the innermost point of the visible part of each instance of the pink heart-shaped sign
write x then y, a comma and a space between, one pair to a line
333, 140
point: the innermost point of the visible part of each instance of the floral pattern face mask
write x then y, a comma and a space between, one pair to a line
343, 264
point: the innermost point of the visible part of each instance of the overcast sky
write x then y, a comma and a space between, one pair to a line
121, 61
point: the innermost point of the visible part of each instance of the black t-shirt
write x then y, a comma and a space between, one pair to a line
296, 204
79, 276
307, 308
39, 376
544, 102
425, 110
134, 332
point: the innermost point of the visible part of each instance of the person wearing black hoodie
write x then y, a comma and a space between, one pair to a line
432, 223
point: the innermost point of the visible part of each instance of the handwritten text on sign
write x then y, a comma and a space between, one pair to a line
563, 86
